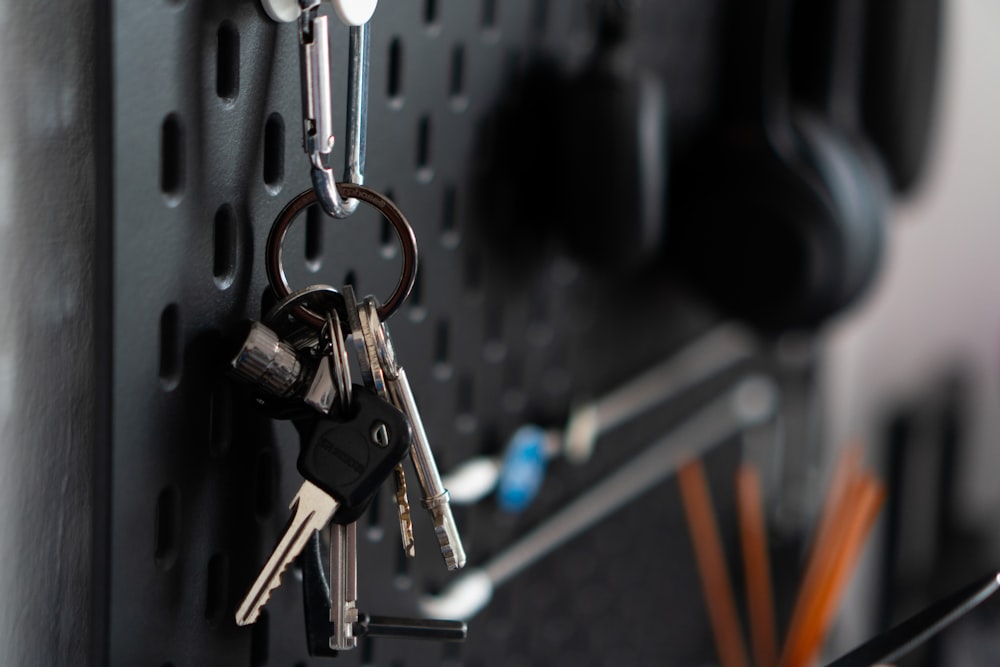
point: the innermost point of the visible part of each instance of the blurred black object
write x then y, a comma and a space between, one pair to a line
892, 645
599, 138
780, 213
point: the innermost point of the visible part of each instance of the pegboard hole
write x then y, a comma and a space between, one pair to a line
442, 353
170, 347
450, 238
456, 79
225, 243
167, 528
387, 241
417, 311
351, 278
430, 13
274, 153
172, 159
374, 531
472, 274
217, 589
314, 238
403, 581
465, 420
488, 18
227, 62
394, 78
266, 487
540, 17
494, 349
220, 420
367, 652
424, 171
260, 641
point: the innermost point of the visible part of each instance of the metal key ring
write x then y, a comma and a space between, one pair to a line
407, 239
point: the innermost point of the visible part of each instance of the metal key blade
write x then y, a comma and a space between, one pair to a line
344, 586
311, 510
435, 496
403, 512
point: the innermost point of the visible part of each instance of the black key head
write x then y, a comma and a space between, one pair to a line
349, 455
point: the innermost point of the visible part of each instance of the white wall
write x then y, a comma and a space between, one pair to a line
938, 299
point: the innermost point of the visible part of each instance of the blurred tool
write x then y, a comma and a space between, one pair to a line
911, 633
519, 473
745, 404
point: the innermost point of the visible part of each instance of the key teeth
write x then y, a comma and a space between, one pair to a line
448, 537
250, 617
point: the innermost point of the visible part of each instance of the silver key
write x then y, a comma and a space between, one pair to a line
385, 375
344, 585
311, 510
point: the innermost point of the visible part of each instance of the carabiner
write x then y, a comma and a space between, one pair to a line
317, 107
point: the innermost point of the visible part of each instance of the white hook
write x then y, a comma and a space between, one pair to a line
351, 12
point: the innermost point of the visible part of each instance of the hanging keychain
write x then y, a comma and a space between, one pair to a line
352, 438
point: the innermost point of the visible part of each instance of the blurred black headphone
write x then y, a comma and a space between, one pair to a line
782, 215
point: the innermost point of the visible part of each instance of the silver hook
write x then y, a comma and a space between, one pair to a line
317, 107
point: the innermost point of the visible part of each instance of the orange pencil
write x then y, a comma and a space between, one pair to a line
873, 495
757, 567
717, 588
837, 511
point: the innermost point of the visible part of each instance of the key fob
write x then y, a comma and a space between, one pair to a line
349, 455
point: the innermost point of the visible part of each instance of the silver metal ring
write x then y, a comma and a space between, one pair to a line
338, 359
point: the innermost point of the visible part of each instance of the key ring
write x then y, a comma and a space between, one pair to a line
407, 240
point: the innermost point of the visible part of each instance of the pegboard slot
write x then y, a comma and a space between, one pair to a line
465, 404
367, 653
260, 641
424, 171
216, 589
430, 12
488, 18
220, 420
266, 487
172, 159
387, 240
170, 347
225, 245
394, 76
167, 528
456, 79
540, 17
450, 236
472, 275
314, 238
374, 531
417, 312
402, 581
227, 62
442, 352
274, 153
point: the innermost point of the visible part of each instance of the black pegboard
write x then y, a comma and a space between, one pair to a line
206, 151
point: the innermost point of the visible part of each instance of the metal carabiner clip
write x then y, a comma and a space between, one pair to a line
317, 107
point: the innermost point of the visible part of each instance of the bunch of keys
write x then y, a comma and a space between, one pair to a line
352, 437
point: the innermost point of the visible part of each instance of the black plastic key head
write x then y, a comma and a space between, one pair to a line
349, 455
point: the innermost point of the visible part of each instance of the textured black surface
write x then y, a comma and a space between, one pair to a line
206, 152
49, 146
